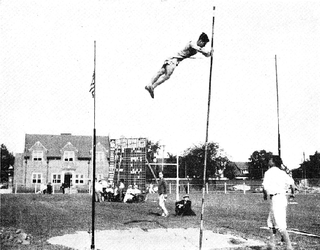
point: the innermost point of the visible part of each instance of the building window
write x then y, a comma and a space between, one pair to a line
79, 178
37, 155
100, 156
56, 178
68, 156
36, 178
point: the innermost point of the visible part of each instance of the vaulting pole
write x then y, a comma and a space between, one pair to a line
94, 150
206, 143
279, 141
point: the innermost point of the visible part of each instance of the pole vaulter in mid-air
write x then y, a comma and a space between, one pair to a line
171, 63
164, 74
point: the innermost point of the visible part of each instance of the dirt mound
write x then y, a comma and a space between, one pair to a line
155, 239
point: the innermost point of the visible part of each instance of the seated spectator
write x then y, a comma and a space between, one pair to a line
108, 193
104, 184
183, 207
136, 190
138, 196
129, 194
43, 189
109, 189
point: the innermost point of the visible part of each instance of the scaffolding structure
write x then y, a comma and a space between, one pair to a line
128, 161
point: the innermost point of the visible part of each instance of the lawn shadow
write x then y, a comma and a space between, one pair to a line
153, 213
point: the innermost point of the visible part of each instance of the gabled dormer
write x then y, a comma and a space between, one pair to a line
37, 152
69, 152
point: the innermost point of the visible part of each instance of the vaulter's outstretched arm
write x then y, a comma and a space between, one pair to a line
202, 50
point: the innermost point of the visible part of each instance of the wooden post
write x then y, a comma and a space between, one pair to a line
177, 189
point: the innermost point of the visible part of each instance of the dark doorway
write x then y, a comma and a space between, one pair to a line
67, 179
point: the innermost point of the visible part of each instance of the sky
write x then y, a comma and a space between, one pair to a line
47, 62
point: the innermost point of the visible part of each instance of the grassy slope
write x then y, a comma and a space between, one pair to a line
45, 216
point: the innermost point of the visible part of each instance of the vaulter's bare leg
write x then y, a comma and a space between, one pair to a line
162, 75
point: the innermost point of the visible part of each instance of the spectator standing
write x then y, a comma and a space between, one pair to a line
49, 188
63, 186
121, 190
98, 191
151, 190
162, 191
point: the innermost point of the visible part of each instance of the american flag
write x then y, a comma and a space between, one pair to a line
92, 85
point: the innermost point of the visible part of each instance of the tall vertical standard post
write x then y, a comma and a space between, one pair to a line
94, 150
177, 188
279, 141
206, 142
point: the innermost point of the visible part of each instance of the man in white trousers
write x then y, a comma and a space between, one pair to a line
275, 184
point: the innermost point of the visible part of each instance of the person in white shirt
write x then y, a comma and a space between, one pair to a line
98, 191
43, 189
121, 190
151, 190
129, 194
275, 185
136, 190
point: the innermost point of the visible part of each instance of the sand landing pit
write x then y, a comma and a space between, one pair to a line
155, 239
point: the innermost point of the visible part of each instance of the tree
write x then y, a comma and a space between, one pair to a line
171, 171
221, 164
258, 163
230, 171
7, 160
152, 150
309, 168
193, 160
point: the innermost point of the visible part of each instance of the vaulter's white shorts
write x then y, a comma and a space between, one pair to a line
278, 212
172, 62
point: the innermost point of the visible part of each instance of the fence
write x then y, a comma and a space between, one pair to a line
210, 188
243, 186
190, 186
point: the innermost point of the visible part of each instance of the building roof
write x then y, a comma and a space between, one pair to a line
53, 144
242, 165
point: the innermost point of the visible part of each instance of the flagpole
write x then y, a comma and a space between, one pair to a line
94, 149
206, 143
279, 141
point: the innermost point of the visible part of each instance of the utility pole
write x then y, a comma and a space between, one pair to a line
163, 147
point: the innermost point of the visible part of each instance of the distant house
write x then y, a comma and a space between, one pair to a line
242, 169
58, 159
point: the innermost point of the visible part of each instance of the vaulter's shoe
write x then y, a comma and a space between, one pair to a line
150, 90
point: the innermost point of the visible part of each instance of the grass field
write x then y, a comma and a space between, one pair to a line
45, 216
